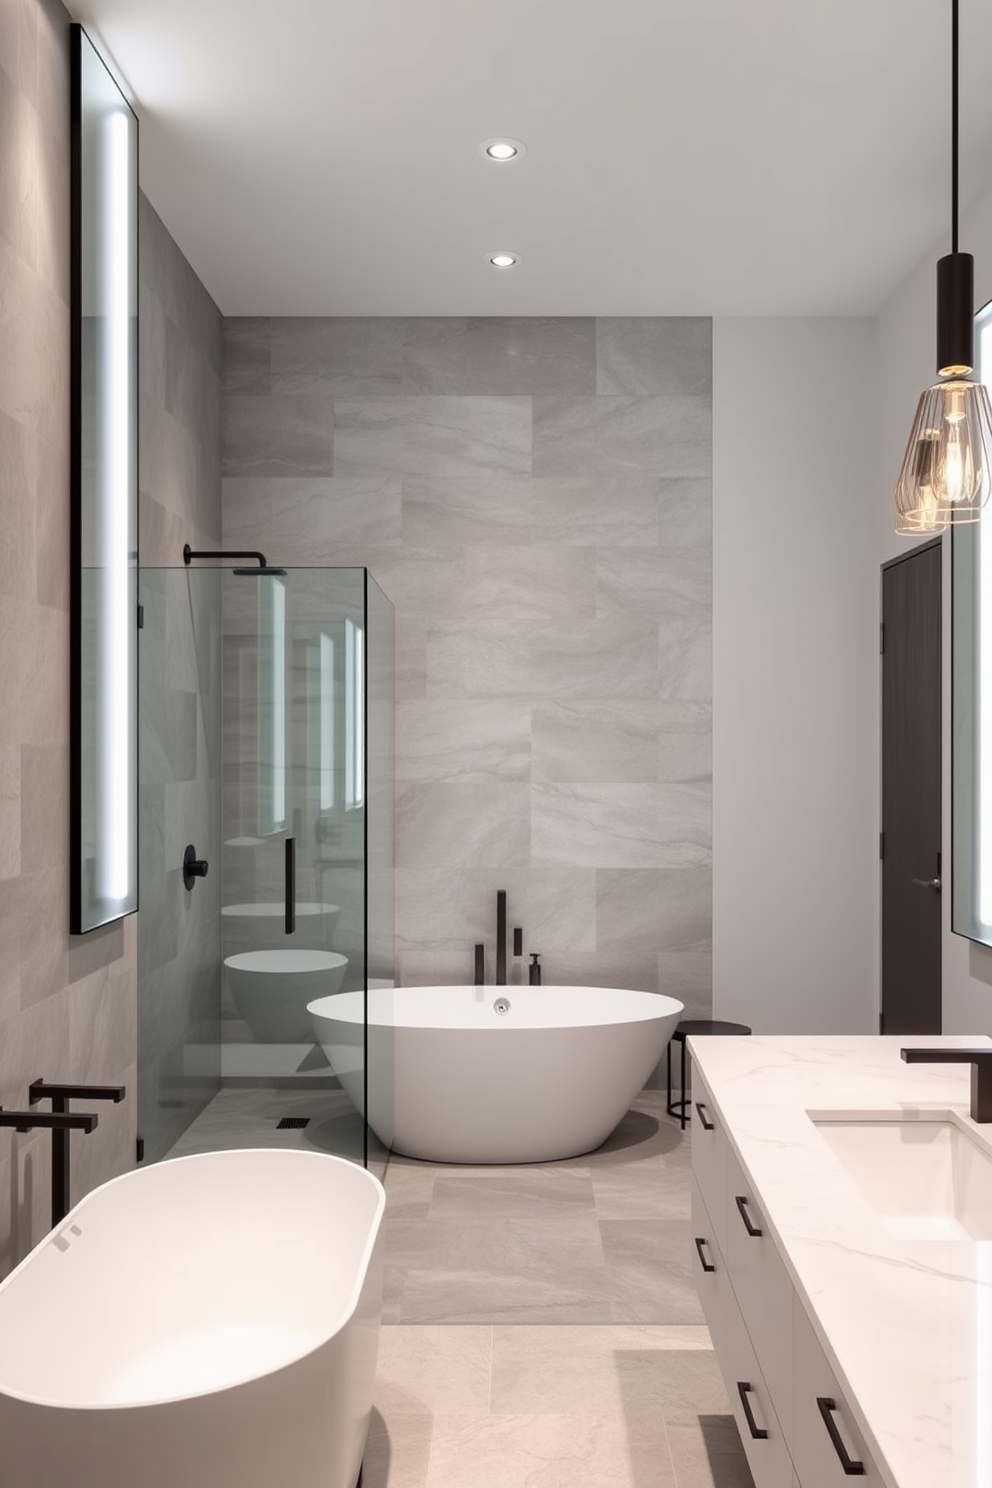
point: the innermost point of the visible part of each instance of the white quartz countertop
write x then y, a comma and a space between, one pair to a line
906, 1324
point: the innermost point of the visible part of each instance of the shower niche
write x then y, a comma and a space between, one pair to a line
295, 713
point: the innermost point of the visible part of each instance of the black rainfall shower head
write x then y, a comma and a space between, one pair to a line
260, 573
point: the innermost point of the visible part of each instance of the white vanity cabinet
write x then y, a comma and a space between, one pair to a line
827, 1447
750, 1397
772, 1364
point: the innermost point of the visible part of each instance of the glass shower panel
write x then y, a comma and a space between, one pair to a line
380, 771
294, 822
179, 757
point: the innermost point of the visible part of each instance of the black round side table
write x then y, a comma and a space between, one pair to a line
692, 1026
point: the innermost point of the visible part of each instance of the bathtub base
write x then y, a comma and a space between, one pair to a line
270, 1436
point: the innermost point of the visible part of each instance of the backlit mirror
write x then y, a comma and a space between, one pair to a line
104, 472
971, 651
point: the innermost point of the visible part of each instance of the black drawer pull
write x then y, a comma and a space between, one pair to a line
827, 1408
706, 1265
707, 1125
741, 1201
758, 1432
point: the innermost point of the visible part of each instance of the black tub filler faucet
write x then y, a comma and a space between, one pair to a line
60, 1121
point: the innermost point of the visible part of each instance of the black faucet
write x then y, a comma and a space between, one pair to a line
60, 1095
60, 1123
981, 1073
501, 937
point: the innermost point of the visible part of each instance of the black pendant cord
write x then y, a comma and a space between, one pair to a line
955, 271
954, 126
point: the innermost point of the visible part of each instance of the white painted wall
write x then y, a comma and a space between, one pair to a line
795, 657
905, 340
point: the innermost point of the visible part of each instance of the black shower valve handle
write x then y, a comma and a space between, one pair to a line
193, 867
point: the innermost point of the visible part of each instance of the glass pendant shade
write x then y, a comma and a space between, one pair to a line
944, 480
945, 477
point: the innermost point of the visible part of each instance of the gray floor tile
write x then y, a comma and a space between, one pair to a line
477, 1297
530, 1193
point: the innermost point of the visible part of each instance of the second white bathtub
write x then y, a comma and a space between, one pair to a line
495, 1074
208, 1322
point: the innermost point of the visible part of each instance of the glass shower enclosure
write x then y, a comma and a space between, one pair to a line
278, 776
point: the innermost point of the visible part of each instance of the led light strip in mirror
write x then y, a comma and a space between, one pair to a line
104, 495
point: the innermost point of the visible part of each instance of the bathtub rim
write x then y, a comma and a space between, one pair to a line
665, 1005
347, 1312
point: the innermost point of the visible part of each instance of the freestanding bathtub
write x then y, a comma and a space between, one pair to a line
495, 1074
207, 1322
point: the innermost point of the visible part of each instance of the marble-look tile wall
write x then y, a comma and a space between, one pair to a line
179, 949
181, 354
67, 1003
535, 498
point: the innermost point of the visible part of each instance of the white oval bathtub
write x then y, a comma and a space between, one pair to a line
450, 1079
203, 1322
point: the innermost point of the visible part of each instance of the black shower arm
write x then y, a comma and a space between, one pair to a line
189, 554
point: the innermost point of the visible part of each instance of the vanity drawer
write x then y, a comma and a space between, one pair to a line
709, 1158
759, 1427
708, 1265
826, 1444
763, 1288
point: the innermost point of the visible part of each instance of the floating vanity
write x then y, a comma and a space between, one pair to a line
842, 1250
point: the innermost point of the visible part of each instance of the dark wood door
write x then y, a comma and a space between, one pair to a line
911, 792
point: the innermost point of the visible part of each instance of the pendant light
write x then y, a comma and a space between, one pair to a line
945, 475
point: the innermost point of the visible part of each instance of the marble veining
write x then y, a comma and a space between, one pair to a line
644, 354
669, 434
905, 1324
622, 826
432, 436
470, 741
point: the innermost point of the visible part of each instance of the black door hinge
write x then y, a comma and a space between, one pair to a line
881, 639
881, 844
139, 1150
141, 617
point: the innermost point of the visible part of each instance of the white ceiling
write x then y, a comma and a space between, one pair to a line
726, 157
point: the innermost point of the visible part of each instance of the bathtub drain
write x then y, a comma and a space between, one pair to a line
293, 1123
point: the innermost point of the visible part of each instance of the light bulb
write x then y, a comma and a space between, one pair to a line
945, 476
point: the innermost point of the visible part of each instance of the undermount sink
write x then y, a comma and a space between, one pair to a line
924, 1180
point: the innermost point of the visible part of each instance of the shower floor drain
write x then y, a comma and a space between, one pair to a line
292, 1123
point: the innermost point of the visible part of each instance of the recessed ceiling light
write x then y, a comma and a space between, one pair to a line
501, 150
504, 260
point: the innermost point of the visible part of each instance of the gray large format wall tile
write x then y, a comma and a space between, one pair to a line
181, 350
534, 497
179, 716
67, 1004
472, 435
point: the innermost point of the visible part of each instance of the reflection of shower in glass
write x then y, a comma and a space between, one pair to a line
354, 716
271, 682
271, 707
325, 693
